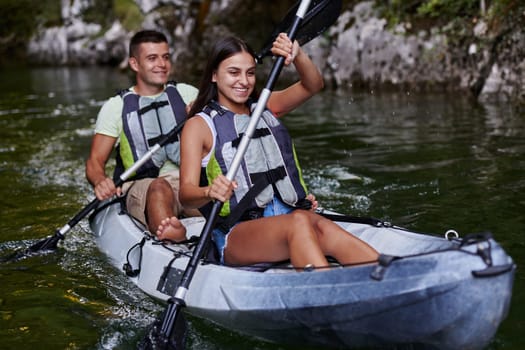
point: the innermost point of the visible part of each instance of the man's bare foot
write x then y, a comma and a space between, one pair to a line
172, 229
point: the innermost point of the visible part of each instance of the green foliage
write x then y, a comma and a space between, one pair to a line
19, 21
442, 11
15, 20
508, 11
449, 8
128, 13
455, 16
20, 18
105, 12
101, 12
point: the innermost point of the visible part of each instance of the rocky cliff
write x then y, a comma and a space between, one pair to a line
361, 50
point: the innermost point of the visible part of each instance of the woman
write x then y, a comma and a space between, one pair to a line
267, 228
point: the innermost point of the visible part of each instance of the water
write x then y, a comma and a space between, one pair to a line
429, 162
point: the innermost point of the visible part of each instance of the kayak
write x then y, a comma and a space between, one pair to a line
430, 291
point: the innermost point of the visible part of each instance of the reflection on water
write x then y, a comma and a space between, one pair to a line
426, 161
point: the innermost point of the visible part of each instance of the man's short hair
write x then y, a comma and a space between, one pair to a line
145, 36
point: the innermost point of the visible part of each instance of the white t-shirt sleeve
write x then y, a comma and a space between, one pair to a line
109, 119
187, 92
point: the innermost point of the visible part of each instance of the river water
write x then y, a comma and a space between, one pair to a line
429, 162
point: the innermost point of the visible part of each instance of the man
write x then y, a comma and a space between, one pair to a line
135, 118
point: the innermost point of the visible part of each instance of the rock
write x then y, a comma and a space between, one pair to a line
359, 50
49, 46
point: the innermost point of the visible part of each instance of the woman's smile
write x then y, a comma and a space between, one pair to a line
235, 79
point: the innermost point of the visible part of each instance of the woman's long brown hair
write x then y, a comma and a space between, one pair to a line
220, 51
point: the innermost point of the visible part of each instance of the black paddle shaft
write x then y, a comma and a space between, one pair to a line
176, 303
51, 242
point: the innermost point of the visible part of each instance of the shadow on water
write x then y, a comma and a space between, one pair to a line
428, 162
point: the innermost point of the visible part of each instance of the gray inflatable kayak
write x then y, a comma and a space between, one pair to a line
429, 291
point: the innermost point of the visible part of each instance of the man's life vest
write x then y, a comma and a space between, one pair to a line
145, 120
269, 168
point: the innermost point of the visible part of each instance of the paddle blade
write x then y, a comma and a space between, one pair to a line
155, 339
320, 15
49, 243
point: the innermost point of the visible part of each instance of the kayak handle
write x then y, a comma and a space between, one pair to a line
493, 271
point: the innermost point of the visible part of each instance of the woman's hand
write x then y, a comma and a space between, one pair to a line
312, 199
221, 189
283, 46
310, 83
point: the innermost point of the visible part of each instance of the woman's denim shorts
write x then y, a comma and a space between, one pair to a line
275, 207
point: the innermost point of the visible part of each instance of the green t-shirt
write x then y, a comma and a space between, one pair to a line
109, 119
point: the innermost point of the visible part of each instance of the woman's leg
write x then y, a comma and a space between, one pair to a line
338, 243
301, 236
275, 238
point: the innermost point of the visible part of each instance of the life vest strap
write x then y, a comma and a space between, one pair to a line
261, 132
153, 105
260, 182
154, 140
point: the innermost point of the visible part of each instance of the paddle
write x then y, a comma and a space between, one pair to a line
310, 27
51, 242
160, 335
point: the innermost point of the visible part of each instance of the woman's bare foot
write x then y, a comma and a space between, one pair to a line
172, 229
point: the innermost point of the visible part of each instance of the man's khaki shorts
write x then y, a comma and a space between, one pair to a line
136, 195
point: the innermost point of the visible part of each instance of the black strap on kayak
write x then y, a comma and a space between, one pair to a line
383, 262
484, 250
473, 238
190, 242
121, 200
130, 271
355, 219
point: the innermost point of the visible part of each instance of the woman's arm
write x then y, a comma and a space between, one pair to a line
311, 80
196, 143
192, 150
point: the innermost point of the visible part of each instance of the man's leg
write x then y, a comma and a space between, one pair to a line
162, 209
160, 216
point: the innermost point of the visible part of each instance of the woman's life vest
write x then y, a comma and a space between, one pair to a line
269, 168
145, 120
